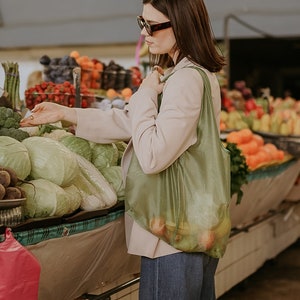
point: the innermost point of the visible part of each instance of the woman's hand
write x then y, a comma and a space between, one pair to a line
48, 112
152, 80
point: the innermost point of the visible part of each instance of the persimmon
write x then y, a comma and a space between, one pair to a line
206, 239
259, 139
271, 149
158, 226
75, 54
111, 93
280, 155
263, 156
222, 126
252, 161
249, 147
234, 137
246, 135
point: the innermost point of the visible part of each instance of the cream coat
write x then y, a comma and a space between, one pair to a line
158, 138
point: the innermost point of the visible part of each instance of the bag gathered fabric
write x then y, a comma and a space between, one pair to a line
187, 204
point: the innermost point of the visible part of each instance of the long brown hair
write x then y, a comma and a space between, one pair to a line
193, 33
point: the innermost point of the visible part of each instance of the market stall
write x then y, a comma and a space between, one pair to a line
82, 251
86, 253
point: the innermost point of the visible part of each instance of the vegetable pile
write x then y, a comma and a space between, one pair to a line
10, 124
9, 184
238, 170
12, 84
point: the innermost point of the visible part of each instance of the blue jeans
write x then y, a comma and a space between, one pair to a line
180, 276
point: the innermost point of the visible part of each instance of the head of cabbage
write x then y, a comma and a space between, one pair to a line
77, 145
46, 199
114, 176
104, 155
51, 160
14, 155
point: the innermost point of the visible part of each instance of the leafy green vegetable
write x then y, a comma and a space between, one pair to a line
44, 199
104, 155
77, 145
121, 148
9, 118
47, 128
114, 176
15, 133
96, 192
239, 171
73, 197
14, 154
51, 160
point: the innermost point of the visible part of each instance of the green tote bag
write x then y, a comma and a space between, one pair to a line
187, 204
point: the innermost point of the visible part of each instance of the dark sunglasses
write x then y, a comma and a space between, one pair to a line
151, 28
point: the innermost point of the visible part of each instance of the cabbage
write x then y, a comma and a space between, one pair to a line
57, 134
121, 148
44, 199
78, 145
51, 160
14, 155
96, 192
74, 197
105, 155
114, 176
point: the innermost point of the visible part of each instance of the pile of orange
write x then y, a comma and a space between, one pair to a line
256, 151
125, 94
91, 70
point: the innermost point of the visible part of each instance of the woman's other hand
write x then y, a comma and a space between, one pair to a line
48, 112
152, 80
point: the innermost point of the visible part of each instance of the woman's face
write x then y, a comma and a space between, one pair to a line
162, 41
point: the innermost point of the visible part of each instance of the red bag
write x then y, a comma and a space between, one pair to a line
19, 270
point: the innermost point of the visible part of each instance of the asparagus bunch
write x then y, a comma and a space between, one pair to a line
12, 84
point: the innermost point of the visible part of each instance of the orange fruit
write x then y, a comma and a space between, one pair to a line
246, 135
280, 154
158, 226
126, 93
75, 54
234, 137
259, 139
248, 148
206, 239
111, 93
252, 161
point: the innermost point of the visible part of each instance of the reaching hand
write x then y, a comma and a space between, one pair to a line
48, 112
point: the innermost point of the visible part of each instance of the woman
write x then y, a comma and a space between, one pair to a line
178, 35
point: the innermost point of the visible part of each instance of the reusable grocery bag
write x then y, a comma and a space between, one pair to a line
19, 270
187, 204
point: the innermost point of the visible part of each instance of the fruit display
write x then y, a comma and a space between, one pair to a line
95, 75
61, 93
256, 152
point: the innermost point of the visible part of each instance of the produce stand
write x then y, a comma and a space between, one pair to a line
85, 253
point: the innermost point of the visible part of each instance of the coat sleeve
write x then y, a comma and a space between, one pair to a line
160, 138
101, 126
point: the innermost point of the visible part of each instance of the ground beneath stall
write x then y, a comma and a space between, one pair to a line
277, 279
